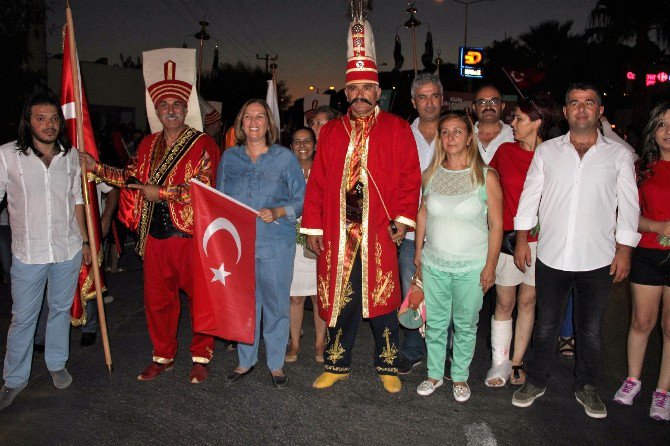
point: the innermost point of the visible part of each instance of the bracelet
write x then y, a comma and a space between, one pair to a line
86, 243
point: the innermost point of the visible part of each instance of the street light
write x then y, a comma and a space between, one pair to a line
468, 3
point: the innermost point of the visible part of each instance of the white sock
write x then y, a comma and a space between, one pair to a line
501, 338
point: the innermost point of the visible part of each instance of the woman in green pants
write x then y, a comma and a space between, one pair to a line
461, 220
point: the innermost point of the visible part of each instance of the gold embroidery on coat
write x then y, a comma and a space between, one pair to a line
348, 291
186, 215
334, 369
323, 287
384, 283
336, 351
390, 352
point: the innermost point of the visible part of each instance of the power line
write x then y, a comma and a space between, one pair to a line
244, 11
235, 43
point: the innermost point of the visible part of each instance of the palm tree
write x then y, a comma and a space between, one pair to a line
619, 21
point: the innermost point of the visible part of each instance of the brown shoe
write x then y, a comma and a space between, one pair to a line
199, 373
154, 369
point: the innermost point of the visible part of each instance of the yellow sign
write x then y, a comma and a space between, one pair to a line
472, 57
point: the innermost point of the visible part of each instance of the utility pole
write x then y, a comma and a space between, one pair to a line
202, 36
267, 60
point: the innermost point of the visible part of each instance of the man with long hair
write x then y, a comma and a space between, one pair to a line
41, 175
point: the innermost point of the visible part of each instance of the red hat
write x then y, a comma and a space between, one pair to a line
212, 117
361, 64
170, 87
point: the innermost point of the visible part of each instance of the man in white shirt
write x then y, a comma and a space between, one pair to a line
490, 130
584, 186
426, 93
40, 173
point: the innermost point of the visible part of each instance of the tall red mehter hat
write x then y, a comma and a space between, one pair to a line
361, 63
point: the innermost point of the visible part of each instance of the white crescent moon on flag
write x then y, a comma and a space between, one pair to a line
218, 224
69, 111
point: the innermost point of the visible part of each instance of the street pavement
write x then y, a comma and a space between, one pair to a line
120, 410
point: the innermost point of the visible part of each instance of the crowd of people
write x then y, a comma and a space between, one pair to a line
361, 208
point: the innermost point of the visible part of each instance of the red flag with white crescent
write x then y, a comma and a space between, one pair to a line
86, 286
224, 302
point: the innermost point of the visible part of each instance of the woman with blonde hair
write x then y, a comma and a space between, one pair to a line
460, 218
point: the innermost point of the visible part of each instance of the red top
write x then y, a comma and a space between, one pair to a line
655, 201
511, 162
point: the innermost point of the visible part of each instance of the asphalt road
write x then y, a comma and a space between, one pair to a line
123, 411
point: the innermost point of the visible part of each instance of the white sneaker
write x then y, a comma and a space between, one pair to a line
427, 387
461, 392
660, 405
627, 391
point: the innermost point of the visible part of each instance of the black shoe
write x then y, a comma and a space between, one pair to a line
87, 339
236, 376
38, 348
279, 381
406, 365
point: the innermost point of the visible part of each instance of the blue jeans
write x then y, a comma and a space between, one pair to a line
413, 345
28, 283
273, 288
91, 325
590, 290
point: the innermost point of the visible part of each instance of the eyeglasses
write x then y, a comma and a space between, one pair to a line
302, 142
483, 102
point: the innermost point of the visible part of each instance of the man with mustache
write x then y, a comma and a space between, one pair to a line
41, 175
490, 130
361, 198
156, 202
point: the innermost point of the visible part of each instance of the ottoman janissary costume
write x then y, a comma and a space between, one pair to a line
366, 172
164, 227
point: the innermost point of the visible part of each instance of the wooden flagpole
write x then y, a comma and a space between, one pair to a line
74, 66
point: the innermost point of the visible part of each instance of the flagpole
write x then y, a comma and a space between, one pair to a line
513, 83
74, 64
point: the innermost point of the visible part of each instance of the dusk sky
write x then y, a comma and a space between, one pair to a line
309, 36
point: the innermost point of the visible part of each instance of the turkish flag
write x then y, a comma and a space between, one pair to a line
224, 301
526, 78
86, 286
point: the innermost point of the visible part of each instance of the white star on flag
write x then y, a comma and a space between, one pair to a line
220, 274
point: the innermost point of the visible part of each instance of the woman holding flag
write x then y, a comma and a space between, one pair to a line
265, 176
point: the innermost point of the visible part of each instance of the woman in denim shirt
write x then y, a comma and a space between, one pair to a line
266, 177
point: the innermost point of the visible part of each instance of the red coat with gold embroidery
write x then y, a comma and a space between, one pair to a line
392, 161
187, 158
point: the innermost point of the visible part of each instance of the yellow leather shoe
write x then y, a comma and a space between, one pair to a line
327, 379
392, 384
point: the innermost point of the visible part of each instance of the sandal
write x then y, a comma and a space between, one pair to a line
498, 374
566, 346
518, 376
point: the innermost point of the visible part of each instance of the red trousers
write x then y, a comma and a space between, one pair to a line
167, 269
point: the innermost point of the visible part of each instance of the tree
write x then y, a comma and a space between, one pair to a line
15, 26
233, 85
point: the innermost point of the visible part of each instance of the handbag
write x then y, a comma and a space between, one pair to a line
308, 253
407, 316
508, 242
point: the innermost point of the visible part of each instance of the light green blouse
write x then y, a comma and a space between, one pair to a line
456, 224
